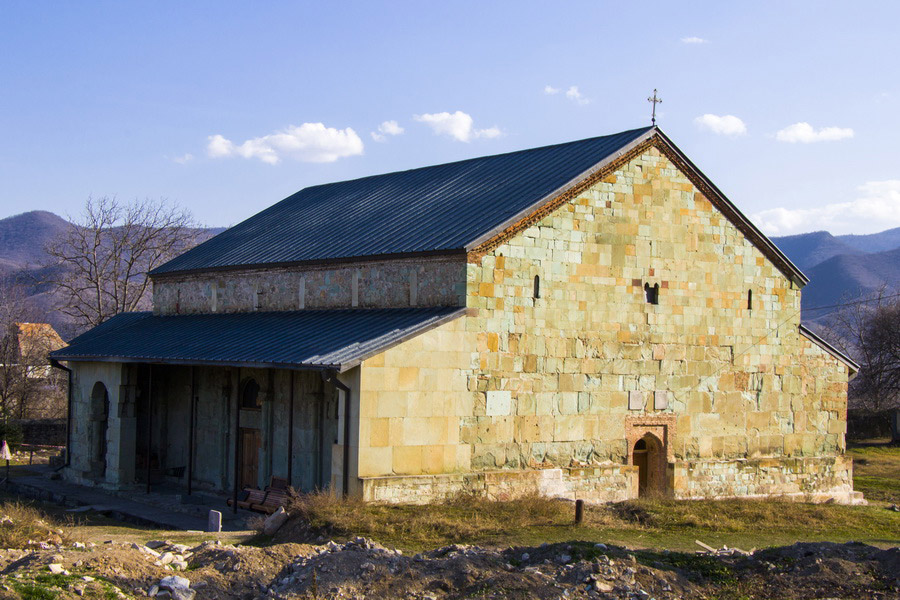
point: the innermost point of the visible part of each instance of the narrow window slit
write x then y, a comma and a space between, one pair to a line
749, 299
537, 286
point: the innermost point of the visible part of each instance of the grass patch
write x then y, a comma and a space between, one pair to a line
876, 471
654, 523
49, 587
30, 591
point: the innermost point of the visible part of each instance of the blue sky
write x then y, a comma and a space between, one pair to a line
224, 107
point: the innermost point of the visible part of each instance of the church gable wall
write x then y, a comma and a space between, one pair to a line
594, 348
376, 284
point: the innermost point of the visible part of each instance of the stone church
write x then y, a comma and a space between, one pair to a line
591, 320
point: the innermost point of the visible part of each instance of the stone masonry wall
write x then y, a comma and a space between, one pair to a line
574, 377
376, 284
413, 399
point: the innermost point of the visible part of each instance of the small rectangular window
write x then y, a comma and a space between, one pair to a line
652, 293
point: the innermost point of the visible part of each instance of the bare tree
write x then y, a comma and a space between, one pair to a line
104, 256
869, 330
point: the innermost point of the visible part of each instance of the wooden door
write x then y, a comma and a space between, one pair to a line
640, 461
249, 458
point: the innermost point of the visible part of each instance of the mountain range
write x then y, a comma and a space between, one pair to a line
841, 268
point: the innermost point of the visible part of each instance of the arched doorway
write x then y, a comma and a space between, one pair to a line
98, 429
648, 457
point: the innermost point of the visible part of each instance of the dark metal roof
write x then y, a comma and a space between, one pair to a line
309, 339
443, 208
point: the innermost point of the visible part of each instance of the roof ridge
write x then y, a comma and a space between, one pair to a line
432, 209
478, 158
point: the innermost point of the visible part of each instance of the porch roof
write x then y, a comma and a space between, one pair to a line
308, 339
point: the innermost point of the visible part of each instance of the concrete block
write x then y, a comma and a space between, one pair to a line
214, 524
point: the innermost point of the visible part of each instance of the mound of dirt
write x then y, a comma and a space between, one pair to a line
361, 569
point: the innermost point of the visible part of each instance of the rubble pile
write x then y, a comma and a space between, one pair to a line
364, 569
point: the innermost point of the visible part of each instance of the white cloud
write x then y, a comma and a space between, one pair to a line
574, 95
310, 142
693, 40
385, 129
458, 125
804, 133
184, 159
722, 125
877, 208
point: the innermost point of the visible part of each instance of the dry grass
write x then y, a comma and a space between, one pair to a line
461, 519
659, 522
738, 516
21, 524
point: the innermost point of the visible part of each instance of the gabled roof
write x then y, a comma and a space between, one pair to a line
309, 339
443, 208
466, 206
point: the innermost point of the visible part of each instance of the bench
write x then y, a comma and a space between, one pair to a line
273, 501
268, 500
248, 497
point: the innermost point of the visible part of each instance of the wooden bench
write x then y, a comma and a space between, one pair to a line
268, 500
273, 500
248, 497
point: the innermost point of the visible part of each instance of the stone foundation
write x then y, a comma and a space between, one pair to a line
604, 483
812, 479
818, 479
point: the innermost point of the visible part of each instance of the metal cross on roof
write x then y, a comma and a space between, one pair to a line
654, 100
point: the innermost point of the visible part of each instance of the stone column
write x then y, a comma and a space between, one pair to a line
121, 436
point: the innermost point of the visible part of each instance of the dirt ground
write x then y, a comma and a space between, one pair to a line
364, 569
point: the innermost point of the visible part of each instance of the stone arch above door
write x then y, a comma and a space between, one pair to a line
662, 427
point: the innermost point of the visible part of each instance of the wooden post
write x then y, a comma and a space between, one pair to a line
190, 464
290, 444
237, 443
149, 420
579, 512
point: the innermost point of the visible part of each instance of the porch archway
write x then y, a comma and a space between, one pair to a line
99, 428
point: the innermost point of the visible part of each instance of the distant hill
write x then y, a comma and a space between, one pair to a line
874, 242
809, 249
23, 237
847, 276
23, 261
842, 268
